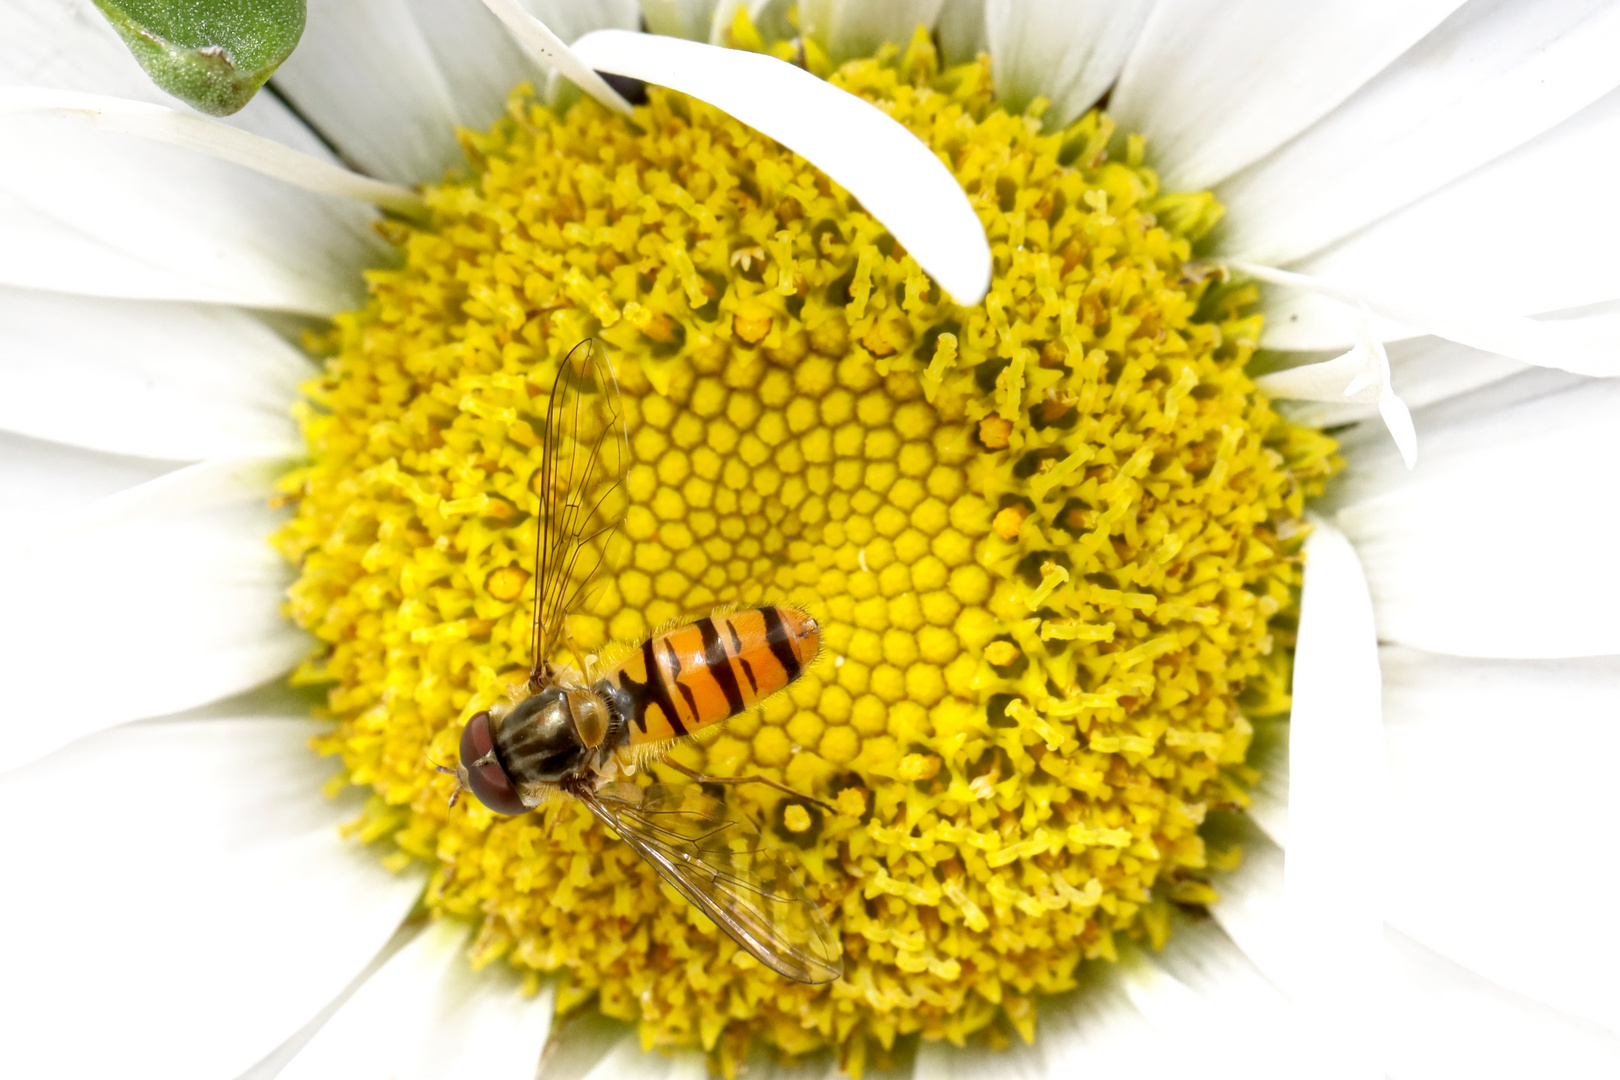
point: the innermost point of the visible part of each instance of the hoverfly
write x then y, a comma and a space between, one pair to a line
580, 735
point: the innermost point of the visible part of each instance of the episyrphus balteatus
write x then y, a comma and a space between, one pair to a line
580, 735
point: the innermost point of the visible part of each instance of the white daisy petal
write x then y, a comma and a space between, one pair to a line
365, 76
1423, 371
851, 28
166, 595
1481, 246
961, 30
1251, 909
1443, 1020
626, 1060
1269, 754
206, 135
1066, 52
579, 1043
69, 45
553, 48
898, 180
1217, 84
178, 381
426, 1014
770, 18
1310, 310
480, 61
1336, 769
1093, 1031
41, 481
692, 19
189, 891
1490, 78
1500, 770
115, 216
1458, 553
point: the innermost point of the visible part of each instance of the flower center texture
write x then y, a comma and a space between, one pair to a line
1053, 540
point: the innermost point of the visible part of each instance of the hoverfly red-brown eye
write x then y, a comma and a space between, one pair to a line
486, 776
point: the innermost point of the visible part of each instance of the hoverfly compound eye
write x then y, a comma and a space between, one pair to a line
486, 776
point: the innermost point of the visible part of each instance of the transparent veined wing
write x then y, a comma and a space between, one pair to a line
583, 500
717, 859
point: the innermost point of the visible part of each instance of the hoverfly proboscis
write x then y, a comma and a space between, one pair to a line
581, 734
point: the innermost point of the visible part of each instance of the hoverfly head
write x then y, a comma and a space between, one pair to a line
481, 771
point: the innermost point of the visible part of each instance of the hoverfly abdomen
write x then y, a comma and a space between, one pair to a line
694, 676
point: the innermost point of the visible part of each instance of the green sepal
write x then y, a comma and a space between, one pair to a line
212, 54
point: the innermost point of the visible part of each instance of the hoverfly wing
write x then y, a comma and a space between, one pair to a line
717, 859
581, 485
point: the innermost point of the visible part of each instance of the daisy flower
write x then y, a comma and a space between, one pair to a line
1168, 408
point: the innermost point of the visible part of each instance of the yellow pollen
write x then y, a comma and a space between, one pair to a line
1052, 540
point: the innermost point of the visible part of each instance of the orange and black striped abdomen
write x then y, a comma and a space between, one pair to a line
688, 678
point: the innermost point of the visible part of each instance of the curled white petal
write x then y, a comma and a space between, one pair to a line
539, 37
897, 179
1359, 375
1567, 346
208, 136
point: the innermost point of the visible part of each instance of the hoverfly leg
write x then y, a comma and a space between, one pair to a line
703, 778
580, 656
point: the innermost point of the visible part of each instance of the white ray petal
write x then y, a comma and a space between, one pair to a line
770, 18
1491, 77
116, 216
1496, 544
1360, 375
1423, 371
156, 599
41, 481
579, 1043
1483, 247
1586, 347
1065, 51
426, 1014
206, 135
1215, 85
69, 45
1503, 781
898, 180
480, 62
1337, 783
961, 30
1269, 754
626, 1060
545, 43
189, 892
1251, 909
365, 75
1093, 1031
692, 19
1444, 1020
177, 381
852, 28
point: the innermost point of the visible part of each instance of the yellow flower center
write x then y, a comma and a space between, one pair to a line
1049, 538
